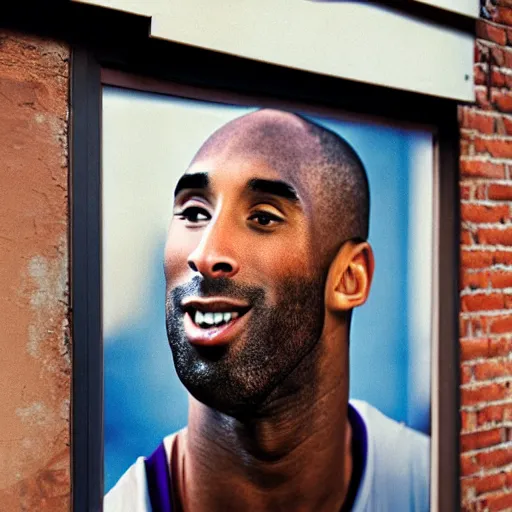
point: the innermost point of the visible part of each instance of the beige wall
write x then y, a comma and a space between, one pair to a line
35, 367
362, 41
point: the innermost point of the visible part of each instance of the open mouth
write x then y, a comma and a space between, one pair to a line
210, 321
209, 317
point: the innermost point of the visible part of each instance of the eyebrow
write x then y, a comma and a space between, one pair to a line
188, 181
273, 187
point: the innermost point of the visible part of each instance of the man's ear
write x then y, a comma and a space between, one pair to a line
350, 277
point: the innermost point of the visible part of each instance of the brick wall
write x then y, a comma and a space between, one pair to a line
486, 273
34, 335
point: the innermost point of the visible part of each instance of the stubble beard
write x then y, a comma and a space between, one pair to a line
239, 378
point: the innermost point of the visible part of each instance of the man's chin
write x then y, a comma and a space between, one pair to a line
239, 407
220, 391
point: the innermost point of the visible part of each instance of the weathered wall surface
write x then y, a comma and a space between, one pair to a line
34, 337
486, 273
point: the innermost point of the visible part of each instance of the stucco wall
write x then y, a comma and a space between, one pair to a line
35, 369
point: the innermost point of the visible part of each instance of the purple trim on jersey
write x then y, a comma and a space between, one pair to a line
359, 454
159, 480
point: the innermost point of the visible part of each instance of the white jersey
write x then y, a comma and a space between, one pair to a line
396, 473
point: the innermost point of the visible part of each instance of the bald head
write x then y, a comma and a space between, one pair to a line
315, 160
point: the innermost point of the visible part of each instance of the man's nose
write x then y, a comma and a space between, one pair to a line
214, 256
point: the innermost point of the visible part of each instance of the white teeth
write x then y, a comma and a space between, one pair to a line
206, 320
199, 318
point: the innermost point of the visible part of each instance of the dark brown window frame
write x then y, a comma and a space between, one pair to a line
169, 68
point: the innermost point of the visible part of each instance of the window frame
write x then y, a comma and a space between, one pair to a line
169, 68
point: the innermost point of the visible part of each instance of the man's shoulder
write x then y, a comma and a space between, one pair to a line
130, 493
387, 429
398, 462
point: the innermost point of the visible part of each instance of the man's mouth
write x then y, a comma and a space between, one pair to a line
212, 321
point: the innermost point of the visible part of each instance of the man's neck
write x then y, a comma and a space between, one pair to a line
296, 459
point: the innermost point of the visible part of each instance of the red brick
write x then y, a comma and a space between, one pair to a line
484, 393
495, 236
499, 347
483, 51
464, 324
498, 79
465, 237
495, 458
479, 325
480, 145
465, 190
468, 420
475, 120
485, 30
498, 148
507, 80
477, 259
478, 55
502, 257
466, 134
500, 126
466, 374
487, 370
483, 483
501, 324
480, 76
503, 15
485, 213
481, 168
481, 191
482, 302
502, 100
482, 98
501, 279
482, 439
468, 464
474, 349
499, 192
496, 53
465, 148
494, 414
474, 280
506, 124
497, 502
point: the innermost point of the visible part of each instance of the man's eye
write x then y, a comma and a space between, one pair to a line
265, 219
193, 214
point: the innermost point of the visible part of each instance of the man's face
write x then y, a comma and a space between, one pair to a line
244, 301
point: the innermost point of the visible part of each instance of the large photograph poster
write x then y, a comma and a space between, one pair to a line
149, 141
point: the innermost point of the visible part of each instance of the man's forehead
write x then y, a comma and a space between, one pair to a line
233, 165
243, 172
